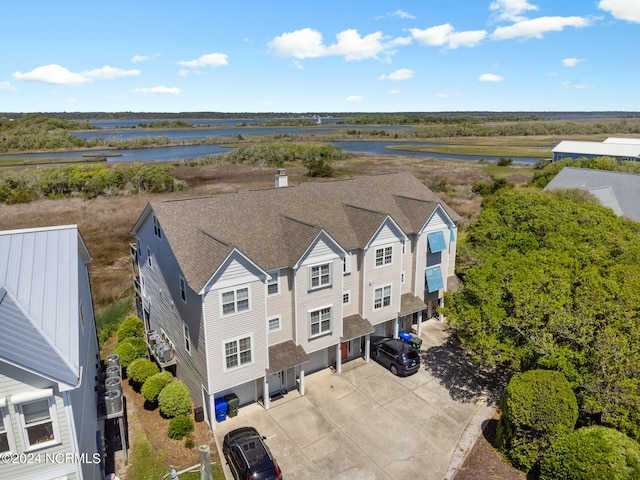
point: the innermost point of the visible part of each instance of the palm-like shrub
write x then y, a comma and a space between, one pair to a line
538, 406
154, 385
141, 369
174, 400
591, 453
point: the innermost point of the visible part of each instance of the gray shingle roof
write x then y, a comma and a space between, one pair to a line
274, 226
616, 190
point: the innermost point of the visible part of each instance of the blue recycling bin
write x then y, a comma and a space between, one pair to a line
405, 336
221, 409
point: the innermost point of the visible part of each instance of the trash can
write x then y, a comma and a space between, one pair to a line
405, 336
416, 342
233, 403
221, 409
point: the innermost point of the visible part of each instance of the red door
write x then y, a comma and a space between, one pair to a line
344, 350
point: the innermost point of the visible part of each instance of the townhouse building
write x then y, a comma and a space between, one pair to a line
253, 290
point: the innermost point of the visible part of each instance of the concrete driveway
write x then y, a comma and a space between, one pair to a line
368, 424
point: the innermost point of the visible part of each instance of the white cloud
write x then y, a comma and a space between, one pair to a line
538, 26
139, 58
442, 95
6, 85
394, 92
309, 43
445, 35
402, 14
490, 77
160, 90
355, 98
402, 74
622, 9
108, 73
183, 72
573, 86
208, 60
571, 62
511, 10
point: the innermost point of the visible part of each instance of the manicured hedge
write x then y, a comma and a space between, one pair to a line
130, 327
179, 427
139, 343
592, 453
174, 400
141, 369
538, 406
127, 353
154, 385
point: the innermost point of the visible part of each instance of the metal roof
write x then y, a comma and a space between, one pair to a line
616, 190
39, 309
623, 140
598, 148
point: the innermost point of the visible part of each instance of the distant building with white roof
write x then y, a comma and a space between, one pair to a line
626, 151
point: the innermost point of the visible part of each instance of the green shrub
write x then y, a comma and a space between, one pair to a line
174, 400
139, 343
127, 353
592, 453
141, 369
130, 327
154, 385
179, 427
538, 406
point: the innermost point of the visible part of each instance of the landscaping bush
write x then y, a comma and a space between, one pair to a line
174, 400
154, 385
180, 427
127, 353
141, 369
591, 453
538, 406
139, 343
130, 327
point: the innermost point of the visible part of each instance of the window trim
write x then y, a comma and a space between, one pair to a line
235, 291
346, 293
187, 337
382, 289
346, 264
236, 340
319, 276
149, 262
386, 258
157, 230
183, 289
321, 332
7, 428
52, 418
274, 317
275, 280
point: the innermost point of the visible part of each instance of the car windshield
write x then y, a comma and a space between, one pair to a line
412, 355
254, 451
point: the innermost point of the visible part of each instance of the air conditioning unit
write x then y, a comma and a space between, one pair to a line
151, 333
113, 402
113, 360
113, 384
113, 371
163, 353
153, 339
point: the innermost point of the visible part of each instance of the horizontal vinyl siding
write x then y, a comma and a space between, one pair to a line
408, 266
351, 282
281, 304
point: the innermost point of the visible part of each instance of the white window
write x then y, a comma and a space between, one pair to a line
272, 284
320, 275
38, 425
183, 289
187, 338
320, 322
382, 297
149, 256
346, 298
346, 264
237, 352
156, 227
235, 301
402, 277
274, 323
384, 256
6, 439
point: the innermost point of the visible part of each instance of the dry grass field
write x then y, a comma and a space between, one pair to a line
105, 222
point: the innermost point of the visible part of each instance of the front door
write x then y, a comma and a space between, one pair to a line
277, 382
344, 350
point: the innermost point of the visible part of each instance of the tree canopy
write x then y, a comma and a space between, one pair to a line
551, 280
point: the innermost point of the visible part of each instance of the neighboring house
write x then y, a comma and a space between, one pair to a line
253, 290
48, 357
619, 149
616, 190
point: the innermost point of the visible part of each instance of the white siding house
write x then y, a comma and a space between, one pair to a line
48, 357
285, 281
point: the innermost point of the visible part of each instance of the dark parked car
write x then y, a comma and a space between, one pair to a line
248, 457
397, 356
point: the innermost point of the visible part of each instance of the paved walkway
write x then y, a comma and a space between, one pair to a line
368, 424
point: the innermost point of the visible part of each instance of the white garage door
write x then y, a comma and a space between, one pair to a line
317, 361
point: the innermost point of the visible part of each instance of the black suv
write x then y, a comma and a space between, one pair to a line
248, 457
397, 356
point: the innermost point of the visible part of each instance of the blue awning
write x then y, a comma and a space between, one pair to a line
436, 242
433, 277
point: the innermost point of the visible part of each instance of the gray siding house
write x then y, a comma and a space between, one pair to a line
48, 357
253, 290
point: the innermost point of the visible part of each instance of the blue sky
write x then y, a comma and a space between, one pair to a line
320, 56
